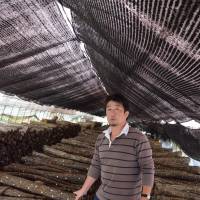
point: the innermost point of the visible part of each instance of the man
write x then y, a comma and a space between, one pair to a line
122, 158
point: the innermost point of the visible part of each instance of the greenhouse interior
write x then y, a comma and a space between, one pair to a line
60, 60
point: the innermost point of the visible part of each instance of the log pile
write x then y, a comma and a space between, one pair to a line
55, 173
60, 169
174, 178
17, 141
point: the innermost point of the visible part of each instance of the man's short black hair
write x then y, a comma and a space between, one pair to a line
118, 98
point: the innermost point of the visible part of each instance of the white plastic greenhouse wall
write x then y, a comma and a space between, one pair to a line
16, 110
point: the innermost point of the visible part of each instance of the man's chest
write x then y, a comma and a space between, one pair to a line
120, 153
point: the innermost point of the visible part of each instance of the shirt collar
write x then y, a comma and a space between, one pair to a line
124, 131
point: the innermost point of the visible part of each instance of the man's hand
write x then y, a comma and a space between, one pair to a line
86, 186
79, 194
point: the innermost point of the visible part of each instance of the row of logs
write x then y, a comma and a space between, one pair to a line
174, 178
16, 141
61, 168
54, 173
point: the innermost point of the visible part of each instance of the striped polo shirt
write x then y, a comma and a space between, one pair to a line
124, 165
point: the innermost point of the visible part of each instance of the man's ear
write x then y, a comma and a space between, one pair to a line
127, 114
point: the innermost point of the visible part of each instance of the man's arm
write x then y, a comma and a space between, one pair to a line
93, 173
146, 164
86, 186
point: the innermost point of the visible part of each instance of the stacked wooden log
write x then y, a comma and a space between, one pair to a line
17, 141
174, 178
55, 173
90, 125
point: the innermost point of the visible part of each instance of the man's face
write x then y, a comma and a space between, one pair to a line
116, 114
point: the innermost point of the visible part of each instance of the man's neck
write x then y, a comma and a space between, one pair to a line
116, 130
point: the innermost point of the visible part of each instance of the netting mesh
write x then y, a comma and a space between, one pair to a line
41, 59
147, 50
187, 139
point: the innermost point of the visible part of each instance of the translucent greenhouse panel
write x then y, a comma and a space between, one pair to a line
2, 107
191, 124
27, 112
15, 111
32, 112
194, 163
45, 115
22, 111
7, 110
38, 114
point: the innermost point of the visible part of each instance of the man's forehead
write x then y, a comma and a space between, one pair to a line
113, 103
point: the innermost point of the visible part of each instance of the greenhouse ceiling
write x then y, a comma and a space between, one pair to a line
147, 50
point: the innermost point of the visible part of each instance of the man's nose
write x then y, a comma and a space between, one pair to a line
112, 113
